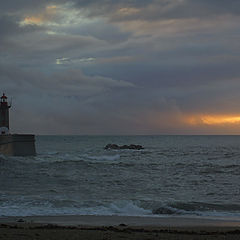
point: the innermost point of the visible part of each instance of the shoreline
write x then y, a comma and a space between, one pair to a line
115, 220
116, 228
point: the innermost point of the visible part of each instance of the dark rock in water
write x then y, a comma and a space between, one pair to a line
117, 147
122, 225
20, 220
112, 146
124, 147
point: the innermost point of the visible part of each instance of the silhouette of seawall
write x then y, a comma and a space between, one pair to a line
17, 145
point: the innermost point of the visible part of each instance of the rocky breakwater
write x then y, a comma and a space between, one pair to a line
117, 147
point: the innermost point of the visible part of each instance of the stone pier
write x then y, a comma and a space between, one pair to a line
17, 145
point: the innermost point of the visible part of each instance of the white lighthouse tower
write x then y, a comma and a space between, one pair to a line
4, 115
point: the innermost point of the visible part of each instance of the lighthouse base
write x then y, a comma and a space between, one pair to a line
17, 145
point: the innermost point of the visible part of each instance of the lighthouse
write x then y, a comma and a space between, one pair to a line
13, 144
4, 115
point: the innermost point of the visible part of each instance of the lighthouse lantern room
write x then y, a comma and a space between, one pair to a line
4, 115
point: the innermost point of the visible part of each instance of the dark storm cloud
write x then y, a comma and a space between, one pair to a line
118, 67
162, 9
99, 30
26, 6
9, 26
149, 9
70, 98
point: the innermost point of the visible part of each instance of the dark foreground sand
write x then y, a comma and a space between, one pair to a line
114, 228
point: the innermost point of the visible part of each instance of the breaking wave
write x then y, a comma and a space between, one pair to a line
118, 208
75, 175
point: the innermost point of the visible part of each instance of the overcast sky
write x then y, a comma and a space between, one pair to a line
121, 67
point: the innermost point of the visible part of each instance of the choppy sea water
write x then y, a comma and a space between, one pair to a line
173, 175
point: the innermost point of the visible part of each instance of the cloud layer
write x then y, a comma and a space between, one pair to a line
121, 67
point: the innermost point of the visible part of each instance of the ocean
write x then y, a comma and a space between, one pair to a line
195, 176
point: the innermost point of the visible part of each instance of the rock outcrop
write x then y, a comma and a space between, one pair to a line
117, 147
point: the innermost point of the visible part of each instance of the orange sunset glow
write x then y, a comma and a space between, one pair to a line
33, 20
40, 18
213, 119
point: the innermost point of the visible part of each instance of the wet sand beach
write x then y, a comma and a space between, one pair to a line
116, 227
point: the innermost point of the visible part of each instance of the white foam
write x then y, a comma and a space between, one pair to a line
119, 208
2, 157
